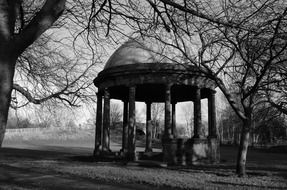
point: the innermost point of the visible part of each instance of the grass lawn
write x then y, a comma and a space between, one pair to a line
71, 167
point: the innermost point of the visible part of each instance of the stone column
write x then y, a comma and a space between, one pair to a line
132, 124
168, 143
148, 147
98, 136
212, 132
213, 143
197, 147
125, 127
173, 119
106, 122
167, 114
197, 115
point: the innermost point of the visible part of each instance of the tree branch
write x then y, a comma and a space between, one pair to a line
50, 12
198, 14
33, 100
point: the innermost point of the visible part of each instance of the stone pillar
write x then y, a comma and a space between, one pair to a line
98, 135
213, 142
173, 129
167, 113
197, 115
125, 127
148, 147
168, 143
132, 125
212, 132
197, 150
106, 122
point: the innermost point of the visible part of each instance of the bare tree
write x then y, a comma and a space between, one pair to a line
18, 31
242, 56
231, 42
188, 116
157, 111
52, 66
115, 114
44, 73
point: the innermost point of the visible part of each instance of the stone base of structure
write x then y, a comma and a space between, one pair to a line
180, 152
106, 151
197, 151
201, 151
214, 150
123, 153
131, 156
169, 149
193, 151
97, 151
148, 150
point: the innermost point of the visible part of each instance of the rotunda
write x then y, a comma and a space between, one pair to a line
133, 74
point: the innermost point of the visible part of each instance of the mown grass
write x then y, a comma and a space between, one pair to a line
200, 177
265, 170
50, 134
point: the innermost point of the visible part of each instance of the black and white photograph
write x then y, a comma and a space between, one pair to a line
143, 94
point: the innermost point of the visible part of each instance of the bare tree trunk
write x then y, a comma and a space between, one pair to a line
11, 45
243, 146
6, 84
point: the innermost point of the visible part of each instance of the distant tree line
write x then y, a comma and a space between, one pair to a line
269, 126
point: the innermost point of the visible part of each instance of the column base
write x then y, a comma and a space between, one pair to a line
131, 156
169, 147
97, 151
106, 151
214, 149
167, 136
197, 151
123, 152
148, 150
180, 152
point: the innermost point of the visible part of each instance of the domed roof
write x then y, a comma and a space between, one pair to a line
131, 52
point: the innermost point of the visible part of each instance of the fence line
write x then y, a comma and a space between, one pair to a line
35, 130
25, 130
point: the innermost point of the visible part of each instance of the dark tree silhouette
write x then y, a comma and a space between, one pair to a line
15, 36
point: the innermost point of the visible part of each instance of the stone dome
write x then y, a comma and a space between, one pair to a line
131, 52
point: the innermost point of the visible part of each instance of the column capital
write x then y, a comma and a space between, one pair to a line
100, 91
148, 102
106, 90
212, 92
99, 94
168, 85
132, 85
